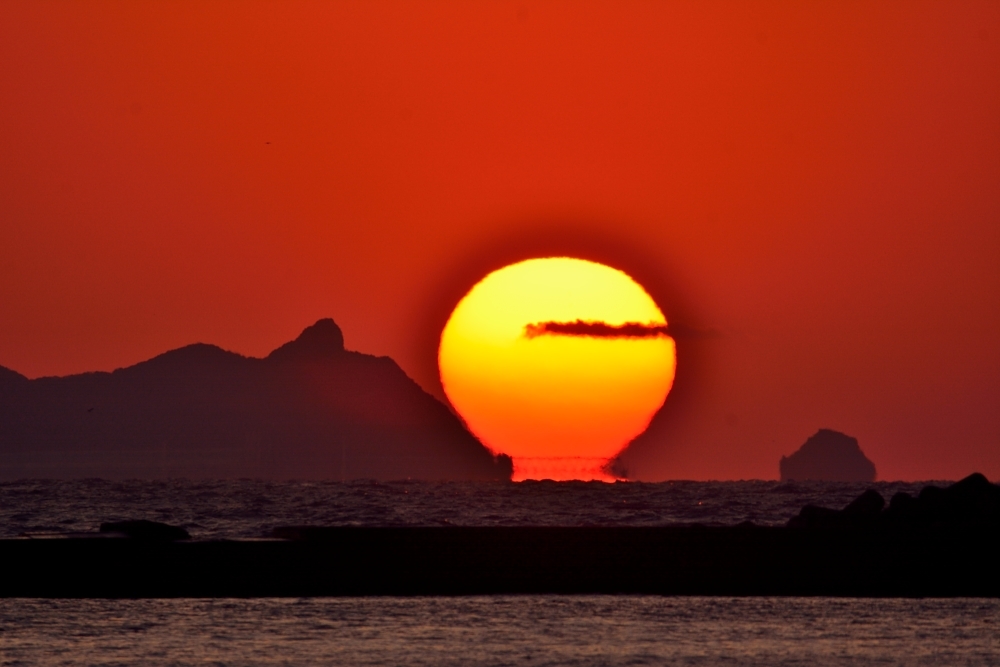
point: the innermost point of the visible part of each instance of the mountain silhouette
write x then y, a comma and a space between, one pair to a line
309, 410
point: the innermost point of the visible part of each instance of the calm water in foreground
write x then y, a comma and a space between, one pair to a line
521, 630
524, 630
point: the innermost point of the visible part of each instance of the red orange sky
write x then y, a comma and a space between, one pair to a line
815, 184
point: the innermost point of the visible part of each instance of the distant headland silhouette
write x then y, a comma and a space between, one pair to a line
309, 410
828, 456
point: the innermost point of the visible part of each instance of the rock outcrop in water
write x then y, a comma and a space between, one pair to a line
310, 410
828, 456
970, 503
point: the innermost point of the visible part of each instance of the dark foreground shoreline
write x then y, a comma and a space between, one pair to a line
906, 561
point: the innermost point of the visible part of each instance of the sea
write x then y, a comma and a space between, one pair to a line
478, 630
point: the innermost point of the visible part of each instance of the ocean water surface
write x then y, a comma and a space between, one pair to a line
252, 508
517, 630
492, 630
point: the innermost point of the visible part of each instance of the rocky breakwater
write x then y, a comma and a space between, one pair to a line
970, 504
943, 542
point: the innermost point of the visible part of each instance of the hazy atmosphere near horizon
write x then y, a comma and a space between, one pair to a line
809, 194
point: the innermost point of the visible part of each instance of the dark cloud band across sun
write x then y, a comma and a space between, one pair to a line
596, 329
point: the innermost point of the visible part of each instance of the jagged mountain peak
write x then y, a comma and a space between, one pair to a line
322, 340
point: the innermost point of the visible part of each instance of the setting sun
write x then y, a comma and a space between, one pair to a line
557, 362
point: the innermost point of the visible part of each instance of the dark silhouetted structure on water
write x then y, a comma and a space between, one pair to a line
309, 410
941, 543
828, 456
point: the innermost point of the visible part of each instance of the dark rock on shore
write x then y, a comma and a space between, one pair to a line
828, 456
310, 410
972, 502
147, 531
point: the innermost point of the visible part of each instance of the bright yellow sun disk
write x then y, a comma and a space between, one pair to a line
562, 406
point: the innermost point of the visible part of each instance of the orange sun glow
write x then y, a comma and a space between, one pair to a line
557, 362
